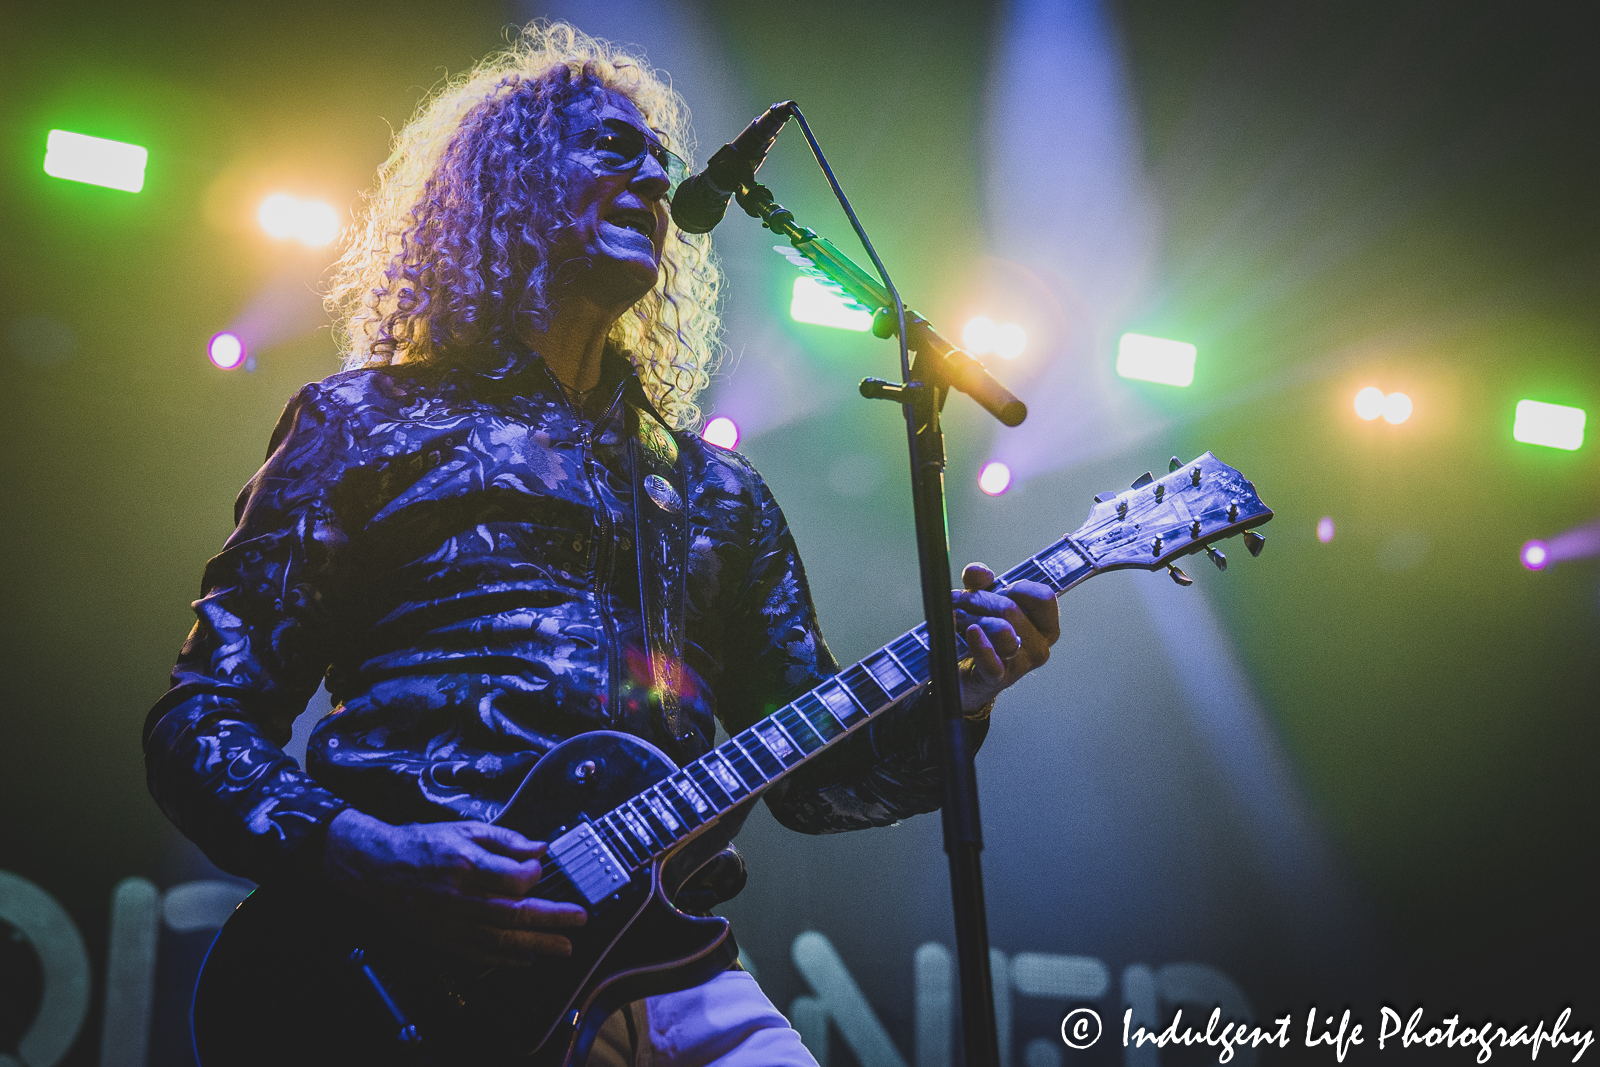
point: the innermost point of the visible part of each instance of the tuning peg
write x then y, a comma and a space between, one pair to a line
1194, 476
1161, 491
1218, 558
1253, 541
1178, 575
1122, 510
1104, 498
1173, 464
1143, 480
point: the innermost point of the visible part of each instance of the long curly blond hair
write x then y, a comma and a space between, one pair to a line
452, 249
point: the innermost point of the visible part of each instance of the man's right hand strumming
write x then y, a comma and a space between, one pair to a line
459, 886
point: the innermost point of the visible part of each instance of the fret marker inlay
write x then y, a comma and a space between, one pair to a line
692, 795
887, 673
725, 776
663, 812
839, 702
775, 740
1060, 564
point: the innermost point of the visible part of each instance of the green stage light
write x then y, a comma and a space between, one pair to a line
95, 161
1154, 359
819, 305
1551, 425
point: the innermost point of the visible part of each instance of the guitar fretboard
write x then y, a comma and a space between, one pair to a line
654, 821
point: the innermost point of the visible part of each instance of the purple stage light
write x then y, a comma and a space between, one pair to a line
1535, 555
995, 479
226, 350
722, 432
1580, 542
1325, 529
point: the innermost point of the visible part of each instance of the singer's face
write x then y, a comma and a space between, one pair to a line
618, 210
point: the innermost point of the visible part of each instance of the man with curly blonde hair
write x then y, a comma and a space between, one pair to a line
495, 531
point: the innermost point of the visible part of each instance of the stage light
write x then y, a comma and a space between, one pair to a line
1551, 425
226, 350
1369, 403
1535, 554
1396, 408
721, 431
815, 303
995, 478
1325, 529
978, 335
1009, 341
311, 222
1154, 359
95, 161
278, 215
1580, 542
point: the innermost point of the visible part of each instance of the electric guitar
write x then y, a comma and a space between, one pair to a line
306, 969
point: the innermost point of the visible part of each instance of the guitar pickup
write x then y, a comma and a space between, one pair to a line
588, 864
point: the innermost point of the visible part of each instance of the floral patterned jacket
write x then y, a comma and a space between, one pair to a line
452, 550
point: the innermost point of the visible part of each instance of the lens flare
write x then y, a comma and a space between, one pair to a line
1369, 403
226, 350
1325, 529
995, 478
722, 432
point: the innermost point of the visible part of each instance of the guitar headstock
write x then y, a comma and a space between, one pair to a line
1158, 520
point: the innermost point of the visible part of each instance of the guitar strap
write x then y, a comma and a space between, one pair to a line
661, 539
713, 871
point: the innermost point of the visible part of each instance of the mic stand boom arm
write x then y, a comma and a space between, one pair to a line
938, 366
946, 363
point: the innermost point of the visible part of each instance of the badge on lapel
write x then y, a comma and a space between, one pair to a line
660, 490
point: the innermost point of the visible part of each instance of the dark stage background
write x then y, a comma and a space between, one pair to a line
1348, 774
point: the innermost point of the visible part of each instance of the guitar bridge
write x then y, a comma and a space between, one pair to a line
588, 864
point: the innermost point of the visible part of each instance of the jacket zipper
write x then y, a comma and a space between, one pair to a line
603, 552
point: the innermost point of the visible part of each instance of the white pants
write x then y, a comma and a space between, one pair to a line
727, 1022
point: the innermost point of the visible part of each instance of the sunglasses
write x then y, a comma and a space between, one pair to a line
619, 146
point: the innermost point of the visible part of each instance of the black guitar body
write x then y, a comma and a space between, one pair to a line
303, 974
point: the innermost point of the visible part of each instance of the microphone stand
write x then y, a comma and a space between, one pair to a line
938, 366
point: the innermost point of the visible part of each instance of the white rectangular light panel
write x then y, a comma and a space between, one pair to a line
95, 161
1551, 425
1155, 359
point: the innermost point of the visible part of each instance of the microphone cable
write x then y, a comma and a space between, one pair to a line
866, 242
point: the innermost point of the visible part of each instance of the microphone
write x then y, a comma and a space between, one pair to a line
701, 201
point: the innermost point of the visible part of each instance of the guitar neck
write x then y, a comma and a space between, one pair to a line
660, 818
1146, 526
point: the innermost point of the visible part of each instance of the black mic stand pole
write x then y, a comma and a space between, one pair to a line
938, 365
